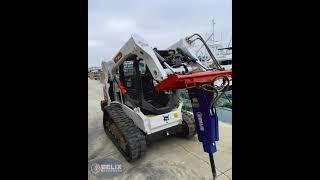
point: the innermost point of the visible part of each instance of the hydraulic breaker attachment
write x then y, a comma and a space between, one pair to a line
206, 121
203, 95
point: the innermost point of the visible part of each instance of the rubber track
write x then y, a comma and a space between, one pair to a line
189, 119
133, 136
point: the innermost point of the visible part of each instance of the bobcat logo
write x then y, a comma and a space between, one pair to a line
166, 118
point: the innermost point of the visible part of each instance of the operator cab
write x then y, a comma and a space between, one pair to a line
136, 78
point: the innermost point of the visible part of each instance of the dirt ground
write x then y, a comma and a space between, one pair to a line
170, 158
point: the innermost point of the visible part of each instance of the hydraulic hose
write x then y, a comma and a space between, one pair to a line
216, 91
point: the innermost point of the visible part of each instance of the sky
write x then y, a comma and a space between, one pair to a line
161, 23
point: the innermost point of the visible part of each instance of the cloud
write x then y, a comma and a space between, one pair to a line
94, 43
116, 25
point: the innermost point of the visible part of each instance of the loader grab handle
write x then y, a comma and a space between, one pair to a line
122, 89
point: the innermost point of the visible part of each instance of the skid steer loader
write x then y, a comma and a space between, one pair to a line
141, 100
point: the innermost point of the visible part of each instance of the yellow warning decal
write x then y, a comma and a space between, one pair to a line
175, 115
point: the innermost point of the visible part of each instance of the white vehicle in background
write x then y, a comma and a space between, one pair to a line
94, 73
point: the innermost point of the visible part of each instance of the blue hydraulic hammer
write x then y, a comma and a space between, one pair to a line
206, 121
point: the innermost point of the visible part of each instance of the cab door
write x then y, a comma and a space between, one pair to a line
129, 77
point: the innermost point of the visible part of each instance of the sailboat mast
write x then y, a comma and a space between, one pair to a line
213, 23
